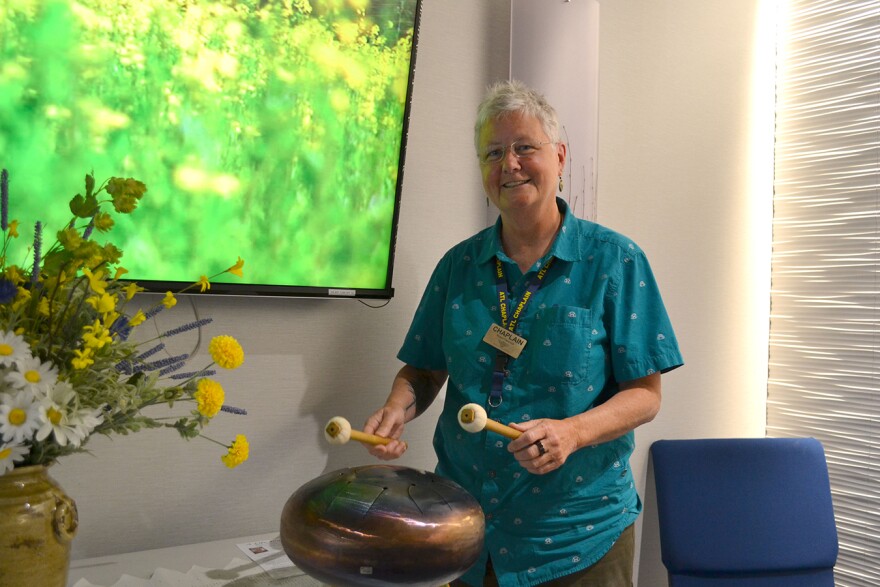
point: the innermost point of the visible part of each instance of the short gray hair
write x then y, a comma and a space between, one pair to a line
514, 97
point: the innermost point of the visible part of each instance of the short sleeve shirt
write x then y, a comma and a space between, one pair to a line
596, 320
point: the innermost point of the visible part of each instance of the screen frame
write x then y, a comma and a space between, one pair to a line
346, 284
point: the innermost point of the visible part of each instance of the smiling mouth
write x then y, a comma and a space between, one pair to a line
515, 184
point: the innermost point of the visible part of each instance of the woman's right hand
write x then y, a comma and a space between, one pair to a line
409, 385
389, 421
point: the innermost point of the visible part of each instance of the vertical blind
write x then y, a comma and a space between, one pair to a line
824, 363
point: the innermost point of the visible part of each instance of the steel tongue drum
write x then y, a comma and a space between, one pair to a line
382, 525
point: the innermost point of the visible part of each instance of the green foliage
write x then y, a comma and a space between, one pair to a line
267, 130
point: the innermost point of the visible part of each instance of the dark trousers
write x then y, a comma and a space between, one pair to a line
615, 569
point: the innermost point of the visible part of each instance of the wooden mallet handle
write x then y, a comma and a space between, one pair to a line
338, 431
473, 418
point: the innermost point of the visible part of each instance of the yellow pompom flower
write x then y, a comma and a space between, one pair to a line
13, 228
238, 452
226, 352
209, 397
204, 283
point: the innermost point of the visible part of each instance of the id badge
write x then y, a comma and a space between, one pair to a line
504, 340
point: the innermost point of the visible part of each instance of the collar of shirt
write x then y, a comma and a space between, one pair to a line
566, 247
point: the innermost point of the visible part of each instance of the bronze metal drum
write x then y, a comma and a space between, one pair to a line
382, 525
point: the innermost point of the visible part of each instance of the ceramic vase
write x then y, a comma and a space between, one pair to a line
37, 523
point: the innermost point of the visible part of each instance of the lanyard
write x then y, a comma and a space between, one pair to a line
510, 321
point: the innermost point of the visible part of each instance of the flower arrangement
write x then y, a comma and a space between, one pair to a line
70, 366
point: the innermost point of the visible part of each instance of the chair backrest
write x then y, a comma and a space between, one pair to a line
745, 511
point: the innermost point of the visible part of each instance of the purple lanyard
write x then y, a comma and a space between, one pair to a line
502, 359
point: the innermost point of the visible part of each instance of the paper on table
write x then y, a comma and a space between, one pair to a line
270, 555
238, 572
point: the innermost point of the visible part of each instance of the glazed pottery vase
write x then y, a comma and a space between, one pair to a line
37, 523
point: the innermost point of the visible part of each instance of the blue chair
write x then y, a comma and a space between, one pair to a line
745, 512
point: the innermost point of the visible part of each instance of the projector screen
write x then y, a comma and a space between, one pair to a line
271, 130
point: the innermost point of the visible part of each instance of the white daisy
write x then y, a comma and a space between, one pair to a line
54, 416
10, 454
12, 348
19, 416
33, 375
83, 422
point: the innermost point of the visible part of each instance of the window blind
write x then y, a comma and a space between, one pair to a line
824, 361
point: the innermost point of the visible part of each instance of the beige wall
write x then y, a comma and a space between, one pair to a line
677, 155
674, 156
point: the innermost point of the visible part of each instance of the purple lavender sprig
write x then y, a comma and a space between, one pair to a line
4, 200
166, 362
192, 374
172, 368
125, 367
153, 311
187, 327
150, 352
38, 245
88, 231
8, 291
233, 410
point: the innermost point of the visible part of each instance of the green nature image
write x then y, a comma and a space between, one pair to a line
264, 129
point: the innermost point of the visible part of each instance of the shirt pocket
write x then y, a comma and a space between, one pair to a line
559, 345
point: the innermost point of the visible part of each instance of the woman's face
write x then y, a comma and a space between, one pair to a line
525, 181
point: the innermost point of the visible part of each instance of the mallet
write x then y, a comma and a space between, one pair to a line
338, 431
473, 418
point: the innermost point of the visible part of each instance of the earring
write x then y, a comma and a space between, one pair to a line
560, 183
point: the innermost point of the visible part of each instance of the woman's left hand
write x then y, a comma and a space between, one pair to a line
544, 445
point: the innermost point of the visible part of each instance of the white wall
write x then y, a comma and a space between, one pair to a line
555, 49
674, 174
676, 158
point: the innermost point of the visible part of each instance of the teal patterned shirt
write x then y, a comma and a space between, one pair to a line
597, 319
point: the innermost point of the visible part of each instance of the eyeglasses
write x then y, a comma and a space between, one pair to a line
521, 150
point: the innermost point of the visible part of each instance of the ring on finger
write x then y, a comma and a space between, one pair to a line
541, 450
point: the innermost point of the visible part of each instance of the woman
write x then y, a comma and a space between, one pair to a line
590, 340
